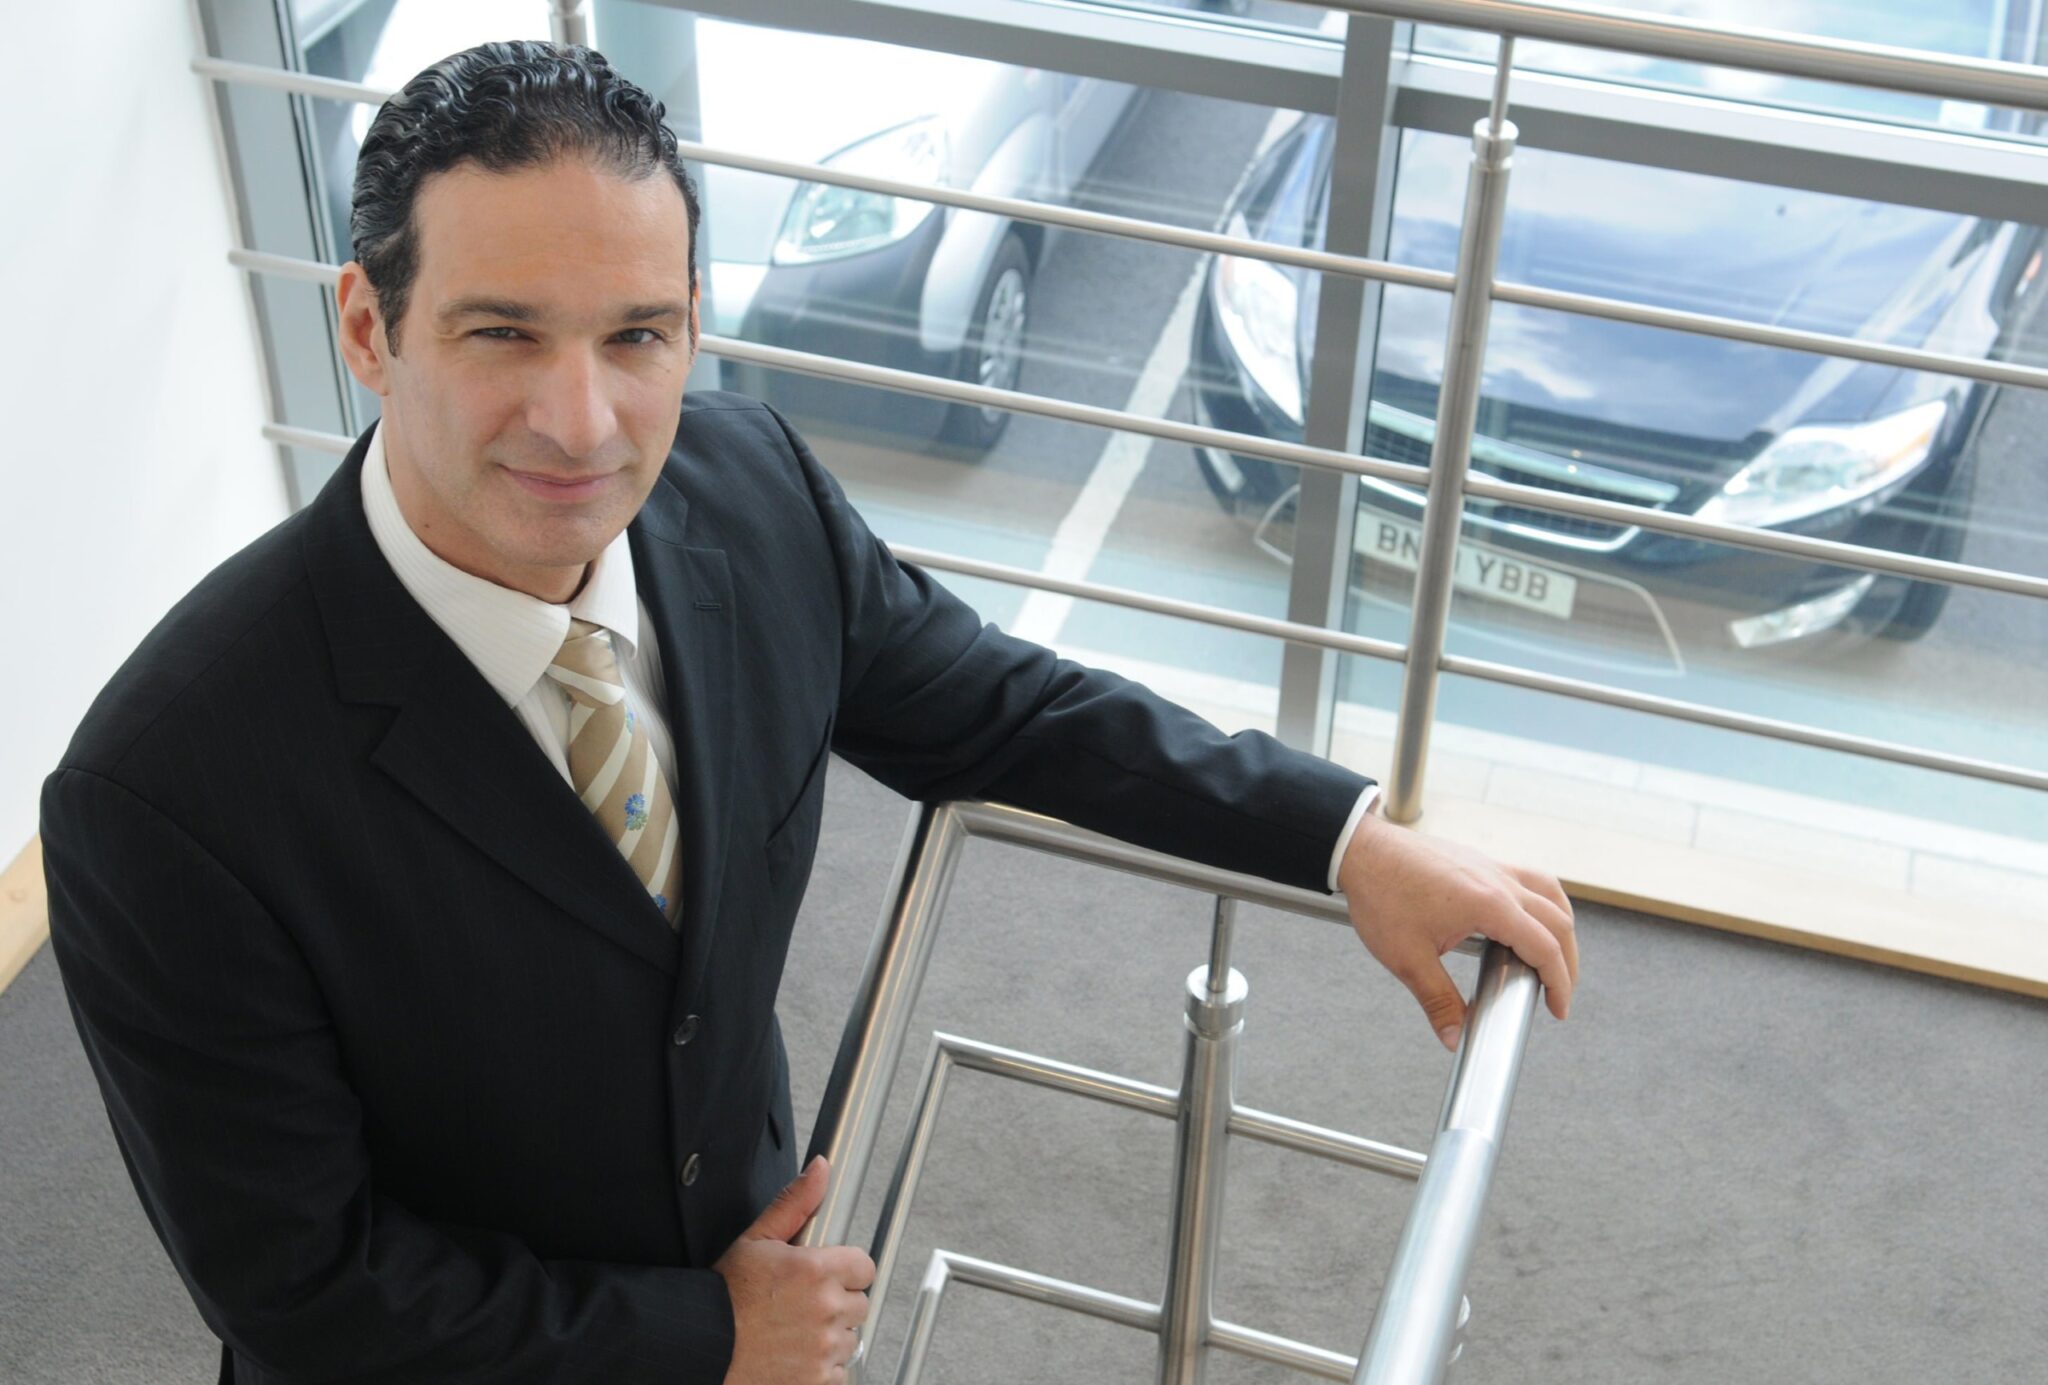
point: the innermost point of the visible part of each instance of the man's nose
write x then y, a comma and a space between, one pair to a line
569, 404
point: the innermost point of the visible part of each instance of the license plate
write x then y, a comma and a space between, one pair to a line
1480, 570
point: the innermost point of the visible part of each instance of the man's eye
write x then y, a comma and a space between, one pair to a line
486, 332
651, 336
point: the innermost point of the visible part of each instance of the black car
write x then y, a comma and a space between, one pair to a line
1807, 444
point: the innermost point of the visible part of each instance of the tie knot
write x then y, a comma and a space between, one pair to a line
587, 666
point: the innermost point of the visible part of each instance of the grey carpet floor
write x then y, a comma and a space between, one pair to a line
1736, 1162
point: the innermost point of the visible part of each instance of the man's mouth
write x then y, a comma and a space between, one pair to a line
561, 488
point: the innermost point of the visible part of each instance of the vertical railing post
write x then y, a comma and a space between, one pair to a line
1493, 148
1208, 1090
569, 22
1361, 201
850, 1115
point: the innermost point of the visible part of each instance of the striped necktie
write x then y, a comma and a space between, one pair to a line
612, 764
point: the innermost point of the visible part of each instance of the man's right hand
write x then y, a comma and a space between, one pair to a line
796, 1310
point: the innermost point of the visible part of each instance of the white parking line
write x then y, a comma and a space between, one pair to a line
1087, 522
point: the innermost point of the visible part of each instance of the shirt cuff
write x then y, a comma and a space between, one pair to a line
1358, 810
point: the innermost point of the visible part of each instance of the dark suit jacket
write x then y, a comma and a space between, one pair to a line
388, 1033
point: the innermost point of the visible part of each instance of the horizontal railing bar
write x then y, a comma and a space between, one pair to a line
1726, 45
950, 1266
1535, 497
1065, 411
1789, 338
1341, 641
1279, 1351
1703, 715
1022, 209
1115, 1090
1335, 1145
1265, 64
1880, 560
286, 267
1939, 168
290, 82
1019, 827
1044, 1288
1039, 1071
1345, 643
311, 439
1074, 218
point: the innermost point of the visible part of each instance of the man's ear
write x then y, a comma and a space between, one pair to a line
362, 336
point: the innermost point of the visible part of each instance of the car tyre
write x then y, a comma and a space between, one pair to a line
993, 353
1920, 608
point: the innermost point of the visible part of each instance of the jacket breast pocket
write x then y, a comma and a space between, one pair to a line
792, 840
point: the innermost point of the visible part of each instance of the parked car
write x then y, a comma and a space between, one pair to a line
808, 265
879, 279
1807, 444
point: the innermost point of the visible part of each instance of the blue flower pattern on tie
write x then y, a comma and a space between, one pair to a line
661, 902
636, 810
630, 719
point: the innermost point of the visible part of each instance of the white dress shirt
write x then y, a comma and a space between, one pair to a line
512, 637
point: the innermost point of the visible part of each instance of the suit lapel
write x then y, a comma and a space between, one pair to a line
454, 744
689, 594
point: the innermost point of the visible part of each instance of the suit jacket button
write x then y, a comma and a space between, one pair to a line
686, 1031
689, 1169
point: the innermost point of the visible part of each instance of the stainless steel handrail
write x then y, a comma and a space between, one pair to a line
1417, 1321
1419, 1308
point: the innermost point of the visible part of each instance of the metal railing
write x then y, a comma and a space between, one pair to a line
1448, 477
1414, 1334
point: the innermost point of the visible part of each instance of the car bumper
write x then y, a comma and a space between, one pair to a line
1638, 601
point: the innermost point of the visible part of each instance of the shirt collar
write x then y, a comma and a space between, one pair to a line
510, 636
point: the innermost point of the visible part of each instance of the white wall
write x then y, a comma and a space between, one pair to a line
129, 371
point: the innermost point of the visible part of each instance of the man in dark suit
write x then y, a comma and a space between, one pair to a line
421, 885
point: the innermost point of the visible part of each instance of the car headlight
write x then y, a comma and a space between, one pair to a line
1259, 308
1822, 467
826, 222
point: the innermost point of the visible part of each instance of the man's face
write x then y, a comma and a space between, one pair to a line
545, 344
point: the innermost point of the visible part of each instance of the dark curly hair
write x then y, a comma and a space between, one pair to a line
507, 106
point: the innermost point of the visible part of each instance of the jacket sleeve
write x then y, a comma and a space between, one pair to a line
938, 705
230, 1102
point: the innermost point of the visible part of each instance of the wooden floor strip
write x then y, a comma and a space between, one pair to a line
24, 911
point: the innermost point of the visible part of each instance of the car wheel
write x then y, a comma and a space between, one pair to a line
1923, 602
1917, 612
993, 353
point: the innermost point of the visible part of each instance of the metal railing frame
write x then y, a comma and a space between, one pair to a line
1452, 453
1415, 1331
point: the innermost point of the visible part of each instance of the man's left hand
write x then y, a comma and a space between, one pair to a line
1413, 898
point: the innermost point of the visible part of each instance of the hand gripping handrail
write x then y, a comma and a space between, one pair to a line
1415, 1331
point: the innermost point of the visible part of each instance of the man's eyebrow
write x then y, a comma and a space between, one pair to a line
487, 307
525, 312
648, 312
